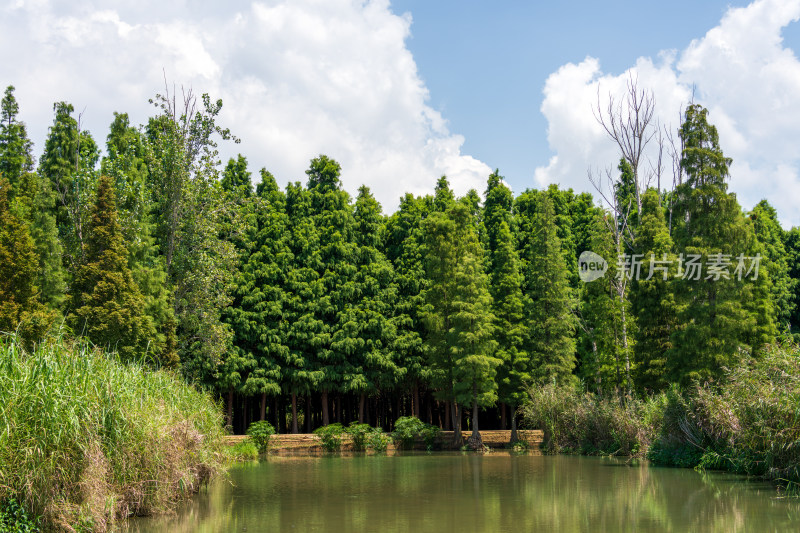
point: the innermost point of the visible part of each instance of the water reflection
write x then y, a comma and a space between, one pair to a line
469, 493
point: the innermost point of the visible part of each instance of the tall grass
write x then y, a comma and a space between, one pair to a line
748, 422
85, 440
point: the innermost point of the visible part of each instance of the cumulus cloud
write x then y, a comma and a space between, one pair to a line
740, 70
298, 78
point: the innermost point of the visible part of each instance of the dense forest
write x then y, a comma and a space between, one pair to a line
304, 306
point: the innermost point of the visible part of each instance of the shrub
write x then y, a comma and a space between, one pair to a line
406, 431
429, 435
14, 518
259, 433
379, 440
330, 436
360, 434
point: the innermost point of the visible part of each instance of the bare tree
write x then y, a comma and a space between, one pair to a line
628, 122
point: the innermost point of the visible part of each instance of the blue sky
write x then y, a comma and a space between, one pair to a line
401, 92
485, 63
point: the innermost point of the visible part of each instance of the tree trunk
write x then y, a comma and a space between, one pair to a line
308, 413
325, 419
361, 401
430, 412
502, 415
415, 400
339, 408
514, 437
229, 413
456, 409
447, 416
476, 435
295, 430
263, 406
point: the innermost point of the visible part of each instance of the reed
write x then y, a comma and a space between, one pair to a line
86, 440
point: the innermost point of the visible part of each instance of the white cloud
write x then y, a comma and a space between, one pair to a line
298, 78
742, 73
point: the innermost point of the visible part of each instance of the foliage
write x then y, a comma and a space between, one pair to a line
88, 439
245, 450
407, 429
330, 436
260, 433
360, 435
577, 422
379, 440
106, 304
14, 518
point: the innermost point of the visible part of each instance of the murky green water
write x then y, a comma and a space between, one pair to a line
496, 492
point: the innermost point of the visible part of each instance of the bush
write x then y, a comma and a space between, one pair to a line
259, 433
331, 436
429, 435
360, 434
14, 518
406, 431
379, 440
86, 439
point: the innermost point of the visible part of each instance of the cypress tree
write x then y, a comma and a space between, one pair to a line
652, 301
106, 304
718, 317
506, 290
549, 302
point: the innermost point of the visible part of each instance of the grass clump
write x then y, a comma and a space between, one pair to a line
85, 440
245, 450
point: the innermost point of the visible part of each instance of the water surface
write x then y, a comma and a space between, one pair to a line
497, 492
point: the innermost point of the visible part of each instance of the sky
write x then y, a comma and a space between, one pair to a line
402, 92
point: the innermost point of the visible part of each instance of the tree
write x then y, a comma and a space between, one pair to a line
68, 164
106, 304
458, 316
506, 290
126, 164
549, 302
652, 301
771, 235
20, 310
16, 149
718, 313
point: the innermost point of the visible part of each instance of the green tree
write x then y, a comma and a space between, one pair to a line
652, 301
764, 220
68, 164
459, 317
549, 302
16, 149
106, 304
506, 290
20, 310
717, 317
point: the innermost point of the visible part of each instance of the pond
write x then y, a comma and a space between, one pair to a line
496, 492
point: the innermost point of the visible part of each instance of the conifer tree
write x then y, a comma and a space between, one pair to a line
652, 301
764, 220
719, 314
32, 200
459, 317
372, 313
549, 302
404, 247
20, 310
126, 164
68, 164
106, 305
505, 282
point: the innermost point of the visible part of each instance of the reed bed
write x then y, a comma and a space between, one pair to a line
86, 440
